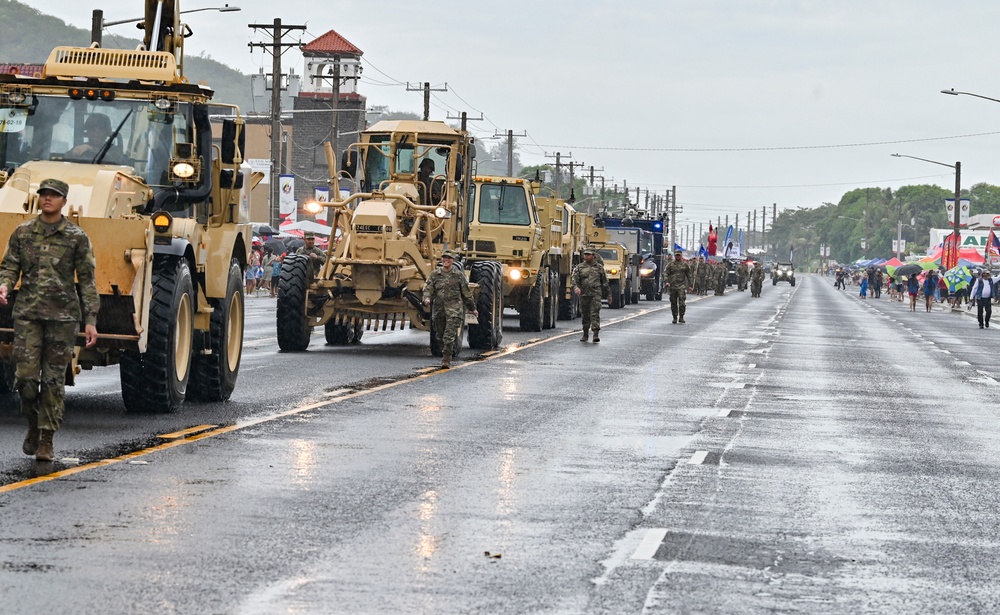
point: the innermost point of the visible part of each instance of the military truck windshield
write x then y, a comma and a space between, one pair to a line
608, 254
503, 204
646, 242
131, 133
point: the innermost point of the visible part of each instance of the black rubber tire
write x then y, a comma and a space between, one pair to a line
774, 282
565, 306
651, 296
792, 281
213, 377
157, 380
339, 335
615, 302
531, 309
487, 334
550, 310
635, 297
659, 295
293, 326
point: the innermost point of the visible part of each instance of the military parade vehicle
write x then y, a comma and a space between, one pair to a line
507, 226
783, 272
643, 235
393, 228
162, 205
620, 264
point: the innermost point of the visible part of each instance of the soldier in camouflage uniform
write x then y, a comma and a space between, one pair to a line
590, 283
317, 256
742, 276
448, 294
701, 279
721, 273
679, 281
46, 254
756, 280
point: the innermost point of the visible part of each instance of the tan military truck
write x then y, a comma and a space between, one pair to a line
507, 227
393, 229
160, 202
617, 267
568, 228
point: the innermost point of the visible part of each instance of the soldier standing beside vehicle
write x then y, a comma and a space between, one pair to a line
679, 282
46, 254
317, 256
590, 283
448, 294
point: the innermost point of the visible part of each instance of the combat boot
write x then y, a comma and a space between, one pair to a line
44, 452
597, 335
446, 360
31, 440
586, 335
682, 319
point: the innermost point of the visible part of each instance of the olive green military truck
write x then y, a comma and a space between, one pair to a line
161, 203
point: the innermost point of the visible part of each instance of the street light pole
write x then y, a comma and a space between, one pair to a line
98, 24
947, 259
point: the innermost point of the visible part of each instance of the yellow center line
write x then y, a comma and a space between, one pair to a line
212, 432
185, 432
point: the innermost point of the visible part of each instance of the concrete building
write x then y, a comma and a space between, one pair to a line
313, 110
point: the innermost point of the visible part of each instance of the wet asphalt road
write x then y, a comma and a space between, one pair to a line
804, 452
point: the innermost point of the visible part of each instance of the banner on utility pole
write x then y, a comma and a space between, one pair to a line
899, 245
963, 213
286, 198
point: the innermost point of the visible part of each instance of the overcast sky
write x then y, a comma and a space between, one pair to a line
617, 84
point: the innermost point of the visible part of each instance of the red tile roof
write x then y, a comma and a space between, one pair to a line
331, 43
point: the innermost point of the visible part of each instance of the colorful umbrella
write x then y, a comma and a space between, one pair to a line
958, 278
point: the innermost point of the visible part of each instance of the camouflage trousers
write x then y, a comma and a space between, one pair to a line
755, 288
590, 310
43, 349
447, 323
678, 301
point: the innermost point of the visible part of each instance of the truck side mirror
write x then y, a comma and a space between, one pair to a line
234, 140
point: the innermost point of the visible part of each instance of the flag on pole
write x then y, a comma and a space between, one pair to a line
993, 245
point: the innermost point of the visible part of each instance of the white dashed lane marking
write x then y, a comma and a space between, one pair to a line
650, 543
698, 458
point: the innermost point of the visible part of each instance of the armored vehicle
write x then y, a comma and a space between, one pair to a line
393, 228
164, 208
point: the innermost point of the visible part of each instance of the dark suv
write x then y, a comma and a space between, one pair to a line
783, 272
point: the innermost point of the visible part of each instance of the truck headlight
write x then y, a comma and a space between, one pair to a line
313, 207
515, 274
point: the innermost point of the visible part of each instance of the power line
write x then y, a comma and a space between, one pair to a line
854, 183
766, 149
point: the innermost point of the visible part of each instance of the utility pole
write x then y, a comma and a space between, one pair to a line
97, 26
465, 119
276, 47
510, 149
673, 218
426, 89
558, 157
335, 81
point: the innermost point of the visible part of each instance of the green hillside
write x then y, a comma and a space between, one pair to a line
27, 36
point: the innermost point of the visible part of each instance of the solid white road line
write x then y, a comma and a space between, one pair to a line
650, 543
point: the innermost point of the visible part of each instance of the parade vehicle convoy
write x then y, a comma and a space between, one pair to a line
783, 272
616, 259
644, 236
394, 227
165, 209
509, 227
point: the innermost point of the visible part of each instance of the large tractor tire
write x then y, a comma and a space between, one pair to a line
293, 326
565, 306
532, 308
489, 332
213, 377
340, 335
157, 380
616, 301
551, 302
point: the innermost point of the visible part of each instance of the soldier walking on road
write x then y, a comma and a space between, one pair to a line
679, 282
742, 275
46, 254
448, 294
590, 282
317, 256
756, 280
721, 275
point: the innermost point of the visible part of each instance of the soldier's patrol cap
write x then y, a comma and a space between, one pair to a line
588, 250
54, 185
448, 254
308, 235
679, 252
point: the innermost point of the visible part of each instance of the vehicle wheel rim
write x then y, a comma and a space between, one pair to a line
182, 338
234, 332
